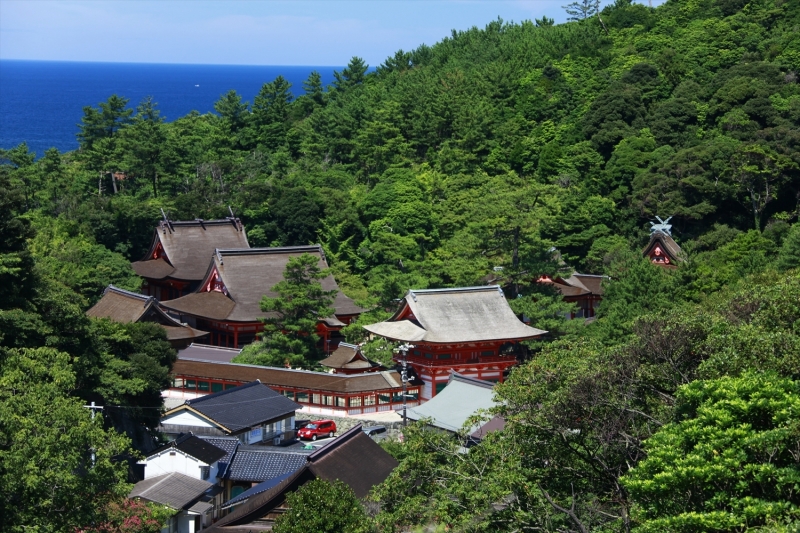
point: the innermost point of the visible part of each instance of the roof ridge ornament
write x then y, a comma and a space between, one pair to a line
663, 226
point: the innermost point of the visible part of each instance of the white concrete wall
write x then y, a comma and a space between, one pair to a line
165, 463
187, 418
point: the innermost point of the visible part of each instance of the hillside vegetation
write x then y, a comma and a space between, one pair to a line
500, 153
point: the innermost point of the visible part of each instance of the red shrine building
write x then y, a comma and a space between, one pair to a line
178, 257
227, 300
584, 290
470, 330
662, 250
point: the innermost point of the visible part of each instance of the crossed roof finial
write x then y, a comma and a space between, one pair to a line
662, 227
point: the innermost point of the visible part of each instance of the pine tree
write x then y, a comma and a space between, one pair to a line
582, 10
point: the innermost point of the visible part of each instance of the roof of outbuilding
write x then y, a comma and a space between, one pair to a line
206, 352
248, 275
188, 246
257, 464
284, 377
467, 314
348, 356
241, 407
124, 306
174, 490
580, 284
194, 446
460, 399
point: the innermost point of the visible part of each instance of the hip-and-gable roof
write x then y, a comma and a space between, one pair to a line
467, 314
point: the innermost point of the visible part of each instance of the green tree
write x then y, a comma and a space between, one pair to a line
58, 466
290, 328
324, 507
104, 122
581, 10
789, 255
727, 463
142, 143
353, 74
270, 113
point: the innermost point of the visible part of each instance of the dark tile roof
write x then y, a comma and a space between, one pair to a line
194, 446
189, 246
465, 314
353, 458
283, 377
174, 490
248, 275
257, 464
243, 407
124, 306
205, 352
229, 446
257, 489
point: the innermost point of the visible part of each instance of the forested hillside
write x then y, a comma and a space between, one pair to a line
502, 153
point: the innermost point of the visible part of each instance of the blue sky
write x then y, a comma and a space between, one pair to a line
253, 32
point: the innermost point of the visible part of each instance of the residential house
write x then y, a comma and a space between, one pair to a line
187, 496
352, 458
252, 412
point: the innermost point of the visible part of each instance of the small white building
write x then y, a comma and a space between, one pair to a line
189, 455
181, 493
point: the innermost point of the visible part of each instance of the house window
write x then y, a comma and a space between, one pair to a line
230, 385
355, 401
191, 384
327, 400
288, 394
216, 387
428, 356
489, 352
444, 356
413, 394
205, 472
302, 397
369, 399
178, 383
316, 398
341, 402
384, 398
202, 386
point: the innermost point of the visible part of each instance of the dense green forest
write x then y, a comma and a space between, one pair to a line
498, 153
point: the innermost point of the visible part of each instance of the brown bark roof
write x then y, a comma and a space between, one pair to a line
347, 356
248, 275
283, 377
468, 314
189, 246
667, 243
124, 306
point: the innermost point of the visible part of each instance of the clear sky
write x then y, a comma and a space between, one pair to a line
249, 32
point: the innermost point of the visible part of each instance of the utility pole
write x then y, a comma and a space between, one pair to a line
403, 349
93, 407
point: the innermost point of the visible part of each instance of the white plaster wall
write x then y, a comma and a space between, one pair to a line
164, 463
186, 418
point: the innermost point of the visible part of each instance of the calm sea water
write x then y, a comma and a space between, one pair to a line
41, 102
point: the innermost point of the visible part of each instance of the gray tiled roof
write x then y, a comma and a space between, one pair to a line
257, 464
465, 314
174, 490
459, 400
244, 406
229, 445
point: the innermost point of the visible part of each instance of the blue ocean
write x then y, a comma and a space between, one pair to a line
41, 102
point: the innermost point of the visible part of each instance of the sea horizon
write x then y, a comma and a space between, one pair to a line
42, 101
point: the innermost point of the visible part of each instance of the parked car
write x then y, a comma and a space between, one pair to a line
371, 431
318, 428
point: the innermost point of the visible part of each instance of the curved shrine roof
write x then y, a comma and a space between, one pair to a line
468, 314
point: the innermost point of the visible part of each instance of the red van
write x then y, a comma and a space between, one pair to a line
318, 428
